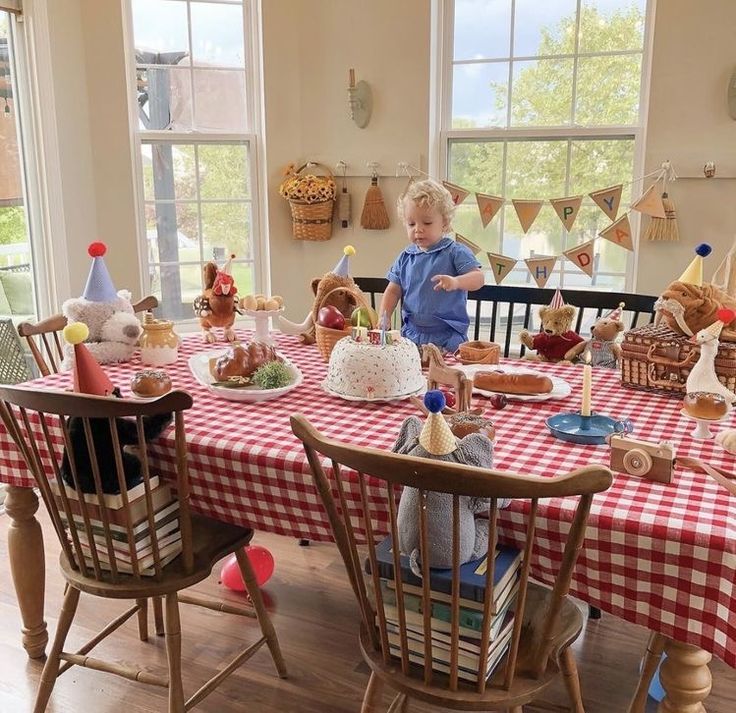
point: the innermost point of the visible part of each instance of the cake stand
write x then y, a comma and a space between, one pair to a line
261, 318
702, 428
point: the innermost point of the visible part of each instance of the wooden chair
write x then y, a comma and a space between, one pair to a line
506, 319
30, 417
546, 621
50, 352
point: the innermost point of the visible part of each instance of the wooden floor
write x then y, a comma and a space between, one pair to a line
315, 616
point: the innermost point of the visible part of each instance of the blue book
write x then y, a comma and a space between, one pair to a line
472, 574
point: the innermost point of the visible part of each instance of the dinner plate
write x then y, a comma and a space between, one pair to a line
561, 389
199, 365
403, 397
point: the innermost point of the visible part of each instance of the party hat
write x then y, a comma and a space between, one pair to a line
99, 287
343, 265
693, 274
227, 268
436, 437
725, 316
556, 302
89, 378
617, 313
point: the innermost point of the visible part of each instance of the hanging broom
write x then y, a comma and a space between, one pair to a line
664, 228
374, 215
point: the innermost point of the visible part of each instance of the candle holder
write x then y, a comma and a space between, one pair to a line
586, 430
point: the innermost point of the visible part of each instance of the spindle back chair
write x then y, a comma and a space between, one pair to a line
546, 621
104, 561
45, 341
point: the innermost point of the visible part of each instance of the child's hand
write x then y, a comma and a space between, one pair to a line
445, 282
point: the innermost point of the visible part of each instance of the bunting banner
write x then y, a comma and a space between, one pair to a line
619, 233
488, 207
541, 268
567, 209
500, 266
582, 256
527, 212
468, 243
650, 203
608, 200
458, 193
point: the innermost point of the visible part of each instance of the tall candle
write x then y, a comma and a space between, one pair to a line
587, 386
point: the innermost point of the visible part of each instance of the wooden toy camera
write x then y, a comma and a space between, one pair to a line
653, 461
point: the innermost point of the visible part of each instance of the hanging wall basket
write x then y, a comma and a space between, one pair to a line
312, 202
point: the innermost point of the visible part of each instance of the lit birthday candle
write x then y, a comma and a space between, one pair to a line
587, 385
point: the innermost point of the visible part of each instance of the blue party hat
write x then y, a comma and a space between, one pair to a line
342, 269
99, 287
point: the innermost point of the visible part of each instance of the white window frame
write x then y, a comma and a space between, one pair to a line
441, 133
253, 139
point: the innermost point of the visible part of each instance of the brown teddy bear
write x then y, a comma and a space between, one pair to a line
604, 351
555, 338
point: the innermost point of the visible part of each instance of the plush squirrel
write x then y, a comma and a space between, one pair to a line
434, 439
218, 304
602, 346
89, 378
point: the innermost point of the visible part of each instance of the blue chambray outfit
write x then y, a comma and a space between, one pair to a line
431, 315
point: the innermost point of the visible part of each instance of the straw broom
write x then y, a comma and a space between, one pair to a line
664, 228
374, 215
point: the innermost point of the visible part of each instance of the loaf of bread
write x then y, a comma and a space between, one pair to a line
505, 383
705, 405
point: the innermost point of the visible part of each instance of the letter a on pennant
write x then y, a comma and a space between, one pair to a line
582, 256
467, 243
527, 212
608, 200
650, 203
619, 232
567, 209
541, 268
458, 193
500, 266
488, 207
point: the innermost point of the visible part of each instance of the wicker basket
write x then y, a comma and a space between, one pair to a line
479, 352
312, 221
325, 337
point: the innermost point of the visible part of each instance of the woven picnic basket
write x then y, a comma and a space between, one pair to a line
312, 220
325, 337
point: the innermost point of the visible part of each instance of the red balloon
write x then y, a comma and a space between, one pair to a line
261, 560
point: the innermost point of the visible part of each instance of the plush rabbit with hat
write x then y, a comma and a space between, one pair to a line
113, 328
434, 439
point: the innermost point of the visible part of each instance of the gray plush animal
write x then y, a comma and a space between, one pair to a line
475, 449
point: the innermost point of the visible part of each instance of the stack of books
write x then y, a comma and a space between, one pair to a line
472, 598
165, 518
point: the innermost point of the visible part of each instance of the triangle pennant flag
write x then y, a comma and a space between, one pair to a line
619, 232
582, 256
608, 200
541, 268
488, 207
501, 266
527, 212
458, 193
650, 203
468, 243
567, 209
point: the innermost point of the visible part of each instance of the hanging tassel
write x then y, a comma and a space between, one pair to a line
343, 201
374, 215
664, 228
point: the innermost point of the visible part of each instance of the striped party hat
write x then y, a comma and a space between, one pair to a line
556, 302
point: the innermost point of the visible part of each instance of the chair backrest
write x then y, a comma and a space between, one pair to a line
38, 422
356, 472
48, 350
511, 308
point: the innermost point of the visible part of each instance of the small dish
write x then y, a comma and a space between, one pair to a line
587, 430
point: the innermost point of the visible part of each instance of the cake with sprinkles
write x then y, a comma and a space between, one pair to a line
362, 370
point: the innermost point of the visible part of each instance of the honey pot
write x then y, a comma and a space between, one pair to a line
159, 343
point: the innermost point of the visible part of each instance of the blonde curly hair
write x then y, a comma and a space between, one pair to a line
427, 194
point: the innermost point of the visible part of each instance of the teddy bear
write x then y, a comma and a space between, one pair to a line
555, 337
602, 346
114, 329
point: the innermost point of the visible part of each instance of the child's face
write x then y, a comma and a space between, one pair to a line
425, 225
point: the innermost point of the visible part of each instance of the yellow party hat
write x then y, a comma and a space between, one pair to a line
693, 274
436, 437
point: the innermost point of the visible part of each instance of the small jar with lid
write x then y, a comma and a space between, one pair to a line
159, 343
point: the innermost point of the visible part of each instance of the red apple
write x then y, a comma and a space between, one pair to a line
450, 400
499, 401
331, 317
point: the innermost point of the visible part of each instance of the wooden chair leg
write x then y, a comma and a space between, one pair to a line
655, 647
373, 695
572, 680
158, 616
51, 668
173, 652
254, 592
142, 619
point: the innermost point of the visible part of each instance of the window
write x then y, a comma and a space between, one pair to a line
195, 104
543, 100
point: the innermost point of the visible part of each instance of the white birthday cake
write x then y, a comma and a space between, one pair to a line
361, 370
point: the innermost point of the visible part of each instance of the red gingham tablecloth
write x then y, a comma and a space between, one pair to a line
663, 556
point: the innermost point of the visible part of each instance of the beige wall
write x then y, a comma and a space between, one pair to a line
308, 49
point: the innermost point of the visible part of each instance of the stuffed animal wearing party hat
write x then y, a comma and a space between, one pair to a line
114, 329
218, 304
434, 439
703, 377
555, 337
90, 378
601, 349
335, 288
